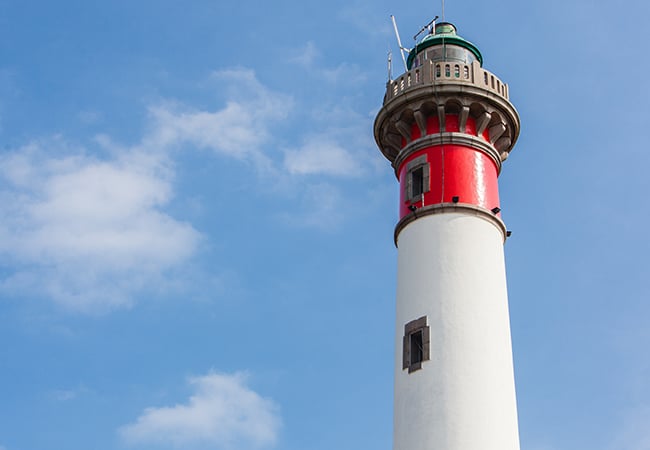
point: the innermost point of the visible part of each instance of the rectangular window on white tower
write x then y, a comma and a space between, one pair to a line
417, 179
416, 344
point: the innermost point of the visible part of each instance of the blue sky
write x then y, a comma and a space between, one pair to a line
197, 225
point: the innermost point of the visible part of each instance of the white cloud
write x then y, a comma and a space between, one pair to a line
306, 56
320, 207
321, 155
232, 131
64, 395
222, 413
344, 148
344, 73
89, 233
92, 233
240, 130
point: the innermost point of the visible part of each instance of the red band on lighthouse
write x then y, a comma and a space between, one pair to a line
448, 173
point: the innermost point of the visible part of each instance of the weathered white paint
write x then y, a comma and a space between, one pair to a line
451, 269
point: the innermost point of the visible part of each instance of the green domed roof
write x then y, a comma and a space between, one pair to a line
445, 33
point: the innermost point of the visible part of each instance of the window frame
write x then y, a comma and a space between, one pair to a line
412, 166
410, 330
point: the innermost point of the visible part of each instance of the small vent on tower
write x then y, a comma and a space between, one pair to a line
416, 344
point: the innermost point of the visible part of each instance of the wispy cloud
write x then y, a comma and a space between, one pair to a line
240, 130
222, 413
306, 55
322, 155
64, 395
92, 232
345, 73
88, 232
342, 148
319, 207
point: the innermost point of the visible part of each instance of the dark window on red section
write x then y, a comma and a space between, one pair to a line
417, 179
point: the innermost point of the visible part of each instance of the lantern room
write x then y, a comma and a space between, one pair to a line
443, 44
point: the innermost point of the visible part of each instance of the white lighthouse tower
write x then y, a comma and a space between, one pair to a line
446, 126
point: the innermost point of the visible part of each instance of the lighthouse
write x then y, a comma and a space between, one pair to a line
447, 126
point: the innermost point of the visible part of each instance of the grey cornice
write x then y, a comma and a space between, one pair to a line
418, 94
449, 89
418, 99
448, 137
464, 208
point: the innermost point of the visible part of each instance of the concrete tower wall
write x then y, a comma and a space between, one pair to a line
451, 270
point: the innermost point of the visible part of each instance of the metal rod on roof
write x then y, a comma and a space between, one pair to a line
426, 27
399, 42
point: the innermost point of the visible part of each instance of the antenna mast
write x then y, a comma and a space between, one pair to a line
428, 27
399, 42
